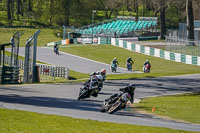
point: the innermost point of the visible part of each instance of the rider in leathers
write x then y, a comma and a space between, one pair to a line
129, 89
100, 76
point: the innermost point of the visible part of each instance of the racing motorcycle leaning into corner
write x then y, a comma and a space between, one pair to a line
93, 86
118, 101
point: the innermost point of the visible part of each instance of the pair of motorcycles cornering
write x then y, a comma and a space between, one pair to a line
113, 103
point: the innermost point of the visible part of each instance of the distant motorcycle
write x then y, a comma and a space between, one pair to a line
118, 101
56, 50
147, 68
129, 66
114, 68
90, 88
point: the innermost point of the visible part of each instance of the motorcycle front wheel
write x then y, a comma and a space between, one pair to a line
83, 93
104, 106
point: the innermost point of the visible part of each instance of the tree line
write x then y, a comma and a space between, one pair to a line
79, 12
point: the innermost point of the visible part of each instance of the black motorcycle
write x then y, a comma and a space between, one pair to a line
129, 66
118, 101
56, 49
90, 88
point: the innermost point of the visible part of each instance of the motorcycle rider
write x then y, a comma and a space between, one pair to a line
100, 76
56, 48
114, 62
145, 63
129, 89
129, 63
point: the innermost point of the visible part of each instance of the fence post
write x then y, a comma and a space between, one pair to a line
67, 73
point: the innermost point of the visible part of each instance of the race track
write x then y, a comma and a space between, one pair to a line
61, 99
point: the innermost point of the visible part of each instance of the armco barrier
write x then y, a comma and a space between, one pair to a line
44, 69
177, 57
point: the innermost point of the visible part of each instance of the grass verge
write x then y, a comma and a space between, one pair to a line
73, 77
183, 107
45, 36
22, 121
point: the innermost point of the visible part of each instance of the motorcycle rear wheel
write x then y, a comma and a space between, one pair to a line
115, 107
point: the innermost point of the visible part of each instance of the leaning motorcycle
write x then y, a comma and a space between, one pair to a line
116, 103
89, 89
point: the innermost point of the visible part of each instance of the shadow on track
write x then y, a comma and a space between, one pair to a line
87, 105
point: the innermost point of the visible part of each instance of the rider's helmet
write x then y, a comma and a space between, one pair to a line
103, 71
115, 59
147, 60
131, 88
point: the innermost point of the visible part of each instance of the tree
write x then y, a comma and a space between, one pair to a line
190, 19
9, 12
161, 6
51, 11
18, 8
162, 19
66, 7
110, 7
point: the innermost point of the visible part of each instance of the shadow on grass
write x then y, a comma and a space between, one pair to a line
72, 78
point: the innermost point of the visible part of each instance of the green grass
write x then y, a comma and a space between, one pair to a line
73, 77
184, 107
45, 36
189, 50
106, 53
13, 121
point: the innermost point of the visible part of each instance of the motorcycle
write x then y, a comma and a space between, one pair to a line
90, 88
116, 102
147, 68
56, 50
129, 66
114, 68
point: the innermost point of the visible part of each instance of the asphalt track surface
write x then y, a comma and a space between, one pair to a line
76, 63
61, 99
